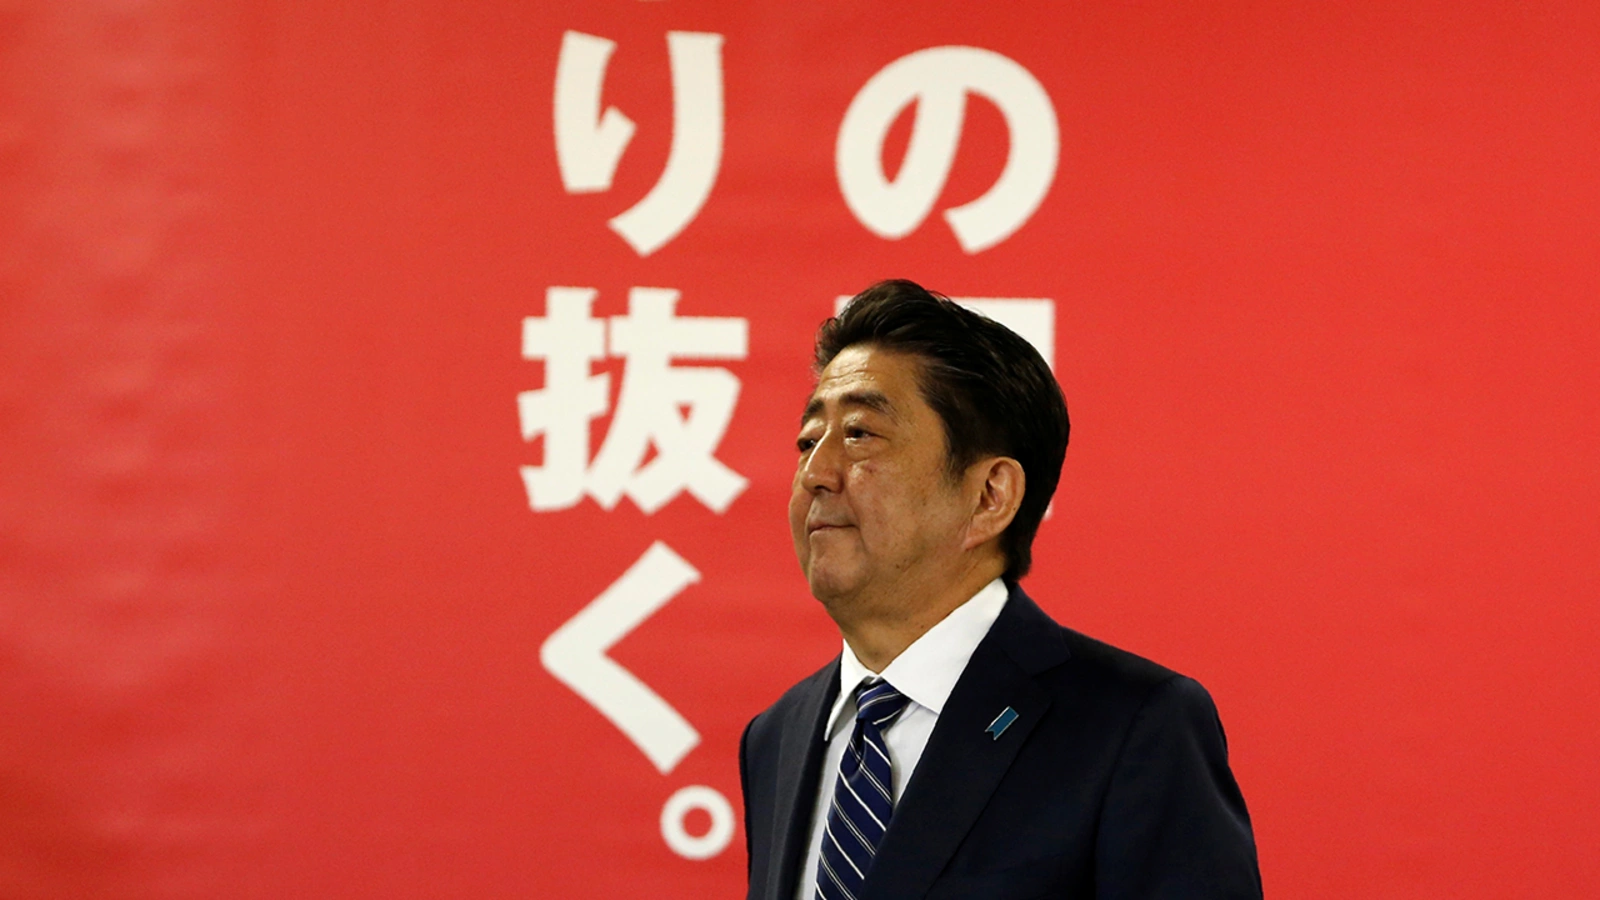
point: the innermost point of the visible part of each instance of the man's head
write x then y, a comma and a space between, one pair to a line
933, 432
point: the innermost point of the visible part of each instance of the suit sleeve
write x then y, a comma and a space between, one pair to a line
1174, 824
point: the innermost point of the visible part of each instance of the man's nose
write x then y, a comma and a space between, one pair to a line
821, 466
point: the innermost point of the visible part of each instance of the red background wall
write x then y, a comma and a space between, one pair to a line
272, 595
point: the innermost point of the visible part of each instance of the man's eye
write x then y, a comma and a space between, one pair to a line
857, 433
805, 444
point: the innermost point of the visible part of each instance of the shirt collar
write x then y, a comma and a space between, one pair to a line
927, 671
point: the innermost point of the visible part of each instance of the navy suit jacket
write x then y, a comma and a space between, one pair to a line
1113, 781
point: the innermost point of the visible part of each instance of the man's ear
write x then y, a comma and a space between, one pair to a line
1000, 482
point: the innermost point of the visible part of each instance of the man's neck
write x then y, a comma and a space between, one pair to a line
882, 628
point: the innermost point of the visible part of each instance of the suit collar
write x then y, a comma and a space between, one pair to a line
801, 752
1027, 635
963, 763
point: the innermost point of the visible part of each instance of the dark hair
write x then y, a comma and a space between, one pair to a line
991, 389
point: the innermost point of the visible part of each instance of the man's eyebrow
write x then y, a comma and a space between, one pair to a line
876, 401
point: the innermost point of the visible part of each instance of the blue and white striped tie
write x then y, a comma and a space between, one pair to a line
862, 804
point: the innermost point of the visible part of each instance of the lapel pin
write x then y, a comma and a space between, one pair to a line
1001, 722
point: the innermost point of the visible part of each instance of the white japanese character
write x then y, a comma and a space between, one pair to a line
938, 80
591, 138
648, 413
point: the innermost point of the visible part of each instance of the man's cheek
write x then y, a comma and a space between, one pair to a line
799, 505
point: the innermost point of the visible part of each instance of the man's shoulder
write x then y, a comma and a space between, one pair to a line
1091, 663
1098, 694
1116, 663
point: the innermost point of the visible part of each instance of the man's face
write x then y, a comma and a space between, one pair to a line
872, 509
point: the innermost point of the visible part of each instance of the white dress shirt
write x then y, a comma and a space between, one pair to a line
925, 672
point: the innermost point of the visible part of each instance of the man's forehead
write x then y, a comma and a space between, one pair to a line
865, 377
865, 398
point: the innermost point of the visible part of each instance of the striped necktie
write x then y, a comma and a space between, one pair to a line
862, 804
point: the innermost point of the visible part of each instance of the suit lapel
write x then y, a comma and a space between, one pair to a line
963, 763
800, 753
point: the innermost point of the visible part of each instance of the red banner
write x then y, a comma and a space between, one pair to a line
400, 400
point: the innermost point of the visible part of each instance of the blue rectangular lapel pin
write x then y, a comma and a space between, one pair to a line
1001, 722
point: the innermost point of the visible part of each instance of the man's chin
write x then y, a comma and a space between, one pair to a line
832, 588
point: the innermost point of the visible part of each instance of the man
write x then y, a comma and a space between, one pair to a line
964, 744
